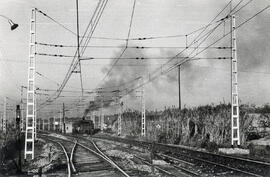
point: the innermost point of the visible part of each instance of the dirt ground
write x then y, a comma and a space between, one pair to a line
46, 158
125, 156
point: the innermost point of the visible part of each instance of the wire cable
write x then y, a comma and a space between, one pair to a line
242, 7
93, 23
199, 33
38, 73
110, 46
247, 20
203, 30
93, 27
139, 38
237, 5
121, 54
204, 36
69, 30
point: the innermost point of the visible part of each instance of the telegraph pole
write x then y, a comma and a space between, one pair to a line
78, 44
179, 86
179, 99
235, 133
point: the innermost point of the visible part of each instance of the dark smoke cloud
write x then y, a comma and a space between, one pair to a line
197, 81
126, 70
188, 72
254, 41
124, 75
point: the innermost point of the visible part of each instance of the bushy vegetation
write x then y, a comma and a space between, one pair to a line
188, 126
9, 153
253, 136
263, 110
204, 126
260, 151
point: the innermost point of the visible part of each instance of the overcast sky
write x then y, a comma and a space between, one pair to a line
203, 82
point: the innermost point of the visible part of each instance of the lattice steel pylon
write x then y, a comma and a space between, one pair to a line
119, 120
35, 119
235, 132
143, 110
101, 117
30, 105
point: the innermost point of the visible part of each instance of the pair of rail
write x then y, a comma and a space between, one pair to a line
69, 159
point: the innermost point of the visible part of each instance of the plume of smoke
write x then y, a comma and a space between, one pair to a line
206, 80
125, 74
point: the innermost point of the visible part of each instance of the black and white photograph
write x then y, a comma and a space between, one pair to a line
134, 88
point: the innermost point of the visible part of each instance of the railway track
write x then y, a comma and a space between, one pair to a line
125, 172
221, 164
86, 160
79, 161
64, 167
186, 160
177, 167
